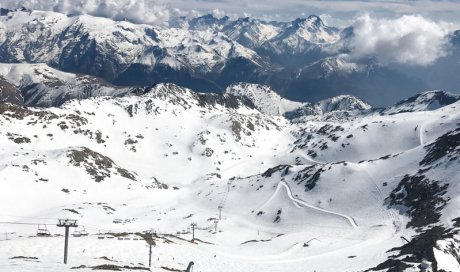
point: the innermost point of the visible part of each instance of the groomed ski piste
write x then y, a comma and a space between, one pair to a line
294, 194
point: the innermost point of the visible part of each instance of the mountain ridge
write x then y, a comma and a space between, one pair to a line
295, 58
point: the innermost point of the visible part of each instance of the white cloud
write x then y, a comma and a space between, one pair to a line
139, 11
408, 39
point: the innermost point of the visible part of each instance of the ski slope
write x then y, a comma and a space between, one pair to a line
295, 194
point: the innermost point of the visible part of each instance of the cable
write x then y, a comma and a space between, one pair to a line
18, 223
28, 217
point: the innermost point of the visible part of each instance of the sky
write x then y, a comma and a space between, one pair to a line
334, 12
338, 10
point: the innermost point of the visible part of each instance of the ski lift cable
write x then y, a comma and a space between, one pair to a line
27, 217
24, 223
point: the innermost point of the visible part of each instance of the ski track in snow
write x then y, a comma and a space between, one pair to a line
349, 219
421, 136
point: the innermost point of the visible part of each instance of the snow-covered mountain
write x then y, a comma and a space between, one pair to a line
302, 36
251, 33
427, 101
374, 189
269, 102
115, 50
208, 54
42, 86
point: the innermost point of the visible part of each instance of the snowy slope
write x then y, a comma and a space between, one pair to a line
427, 101
269, 102
297, 194
43, 86
265, 99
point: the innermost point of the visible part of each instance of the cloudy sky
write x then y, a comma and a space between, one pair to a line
336, 12
448, 10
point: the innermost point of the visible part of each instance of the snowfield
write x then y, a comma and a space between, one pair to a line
332, 186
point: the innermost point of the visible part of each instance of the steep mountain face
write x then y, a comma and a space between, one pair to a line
251, 33
299, 42
377, 84
207, 22
9, 93
118, 50
300, 59
267, 101
343, 103
330, 184
42, 86
427, 101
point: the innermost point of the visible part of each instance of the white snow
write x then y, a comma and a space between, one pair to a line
209, 156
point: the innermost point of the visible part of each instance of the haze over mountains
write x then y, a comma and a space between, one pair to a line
304, 60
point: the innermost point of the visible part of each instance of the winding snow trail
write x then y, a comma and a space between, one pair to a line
421, 136
350, 220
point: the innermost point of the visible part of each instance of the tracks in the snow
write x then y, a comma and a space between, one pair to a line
349, 219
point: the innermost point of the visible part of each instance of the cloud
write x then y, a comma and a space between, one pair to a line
157, 11
139, 11
408, 39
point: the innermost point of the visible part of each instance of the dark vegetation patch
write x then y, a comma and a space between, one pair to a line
130, 141
312, 153
328, 129
126, 174
278, 216
19, 112
310, 175
71, 210
157, 185
422, 197
210, 100
448, 145
284, 169
18, 139
90, 134
97, 166
416, 251
208, 152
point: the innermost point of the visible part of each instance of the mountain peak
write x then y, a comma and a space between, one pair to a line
264, 98
315, 20
312, 22
427, 101
208, 21
343, 103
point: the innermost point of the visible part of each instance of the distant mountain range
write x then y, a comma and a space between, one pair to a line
208, 54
